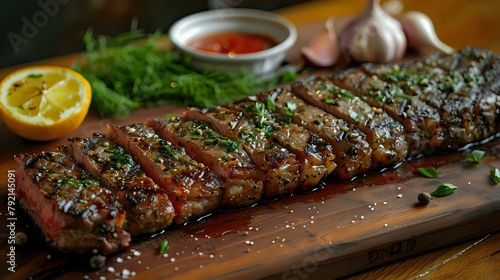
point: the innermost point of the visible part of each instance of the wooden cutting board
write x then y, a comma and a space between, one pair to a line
339, 229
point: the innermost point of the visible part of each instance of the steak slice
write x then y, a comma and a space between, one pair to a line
147, 206
243, 179
193, 189
463, 101
313, 153
348, 144
420, 120
73, 211
279, 165
386, 136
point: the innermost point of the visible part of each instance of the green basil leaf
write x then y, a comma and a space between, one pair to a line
495, 175
444, 190
476, 156
163, 246
429, 172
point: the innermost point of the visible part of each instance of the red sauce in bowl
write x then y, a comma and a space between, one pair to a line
233, 43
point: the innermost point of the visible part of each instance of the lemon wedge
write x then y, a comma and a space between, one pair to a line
44, 103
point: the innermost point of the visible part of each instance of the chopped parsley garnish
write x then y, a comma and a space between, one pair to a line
119, 157
354, 116
291, 106
201, 131
167, 150
318, 122
79, 184
247, 136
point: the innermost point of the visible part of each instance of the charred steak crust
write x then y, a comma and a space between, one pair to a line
280, 165
192, 187
348, 144
243, 179
73, 210
148, 208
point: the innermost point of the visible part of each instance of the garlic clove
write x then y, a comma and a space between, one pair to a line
420, 33
374, 36
324, 50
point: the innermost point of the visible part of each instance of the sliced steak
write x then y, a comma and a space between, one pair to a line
226, 157
313, 153
420, 120
193, 189
147, 206
73, 211
348, 144
386, 136
463, 103
280, 165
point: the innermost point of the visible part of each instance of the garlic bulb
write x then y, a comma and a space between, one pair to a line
420, 33
374, 36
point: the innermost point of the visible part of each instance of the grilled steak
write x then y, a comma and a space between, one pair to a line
313, 153
348, 144
73, 211
463, 104
421, 121
243, 179
267, 145
148, 207
385, 135
280, 166
193, 189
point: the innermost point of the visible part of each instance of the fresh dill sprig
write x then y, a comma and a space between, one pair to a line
134, 70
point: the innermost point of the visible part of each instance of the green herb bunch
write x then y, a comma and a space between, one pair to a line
134, 70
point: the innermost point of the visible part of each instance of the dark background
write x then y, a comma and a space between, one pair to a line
37, 29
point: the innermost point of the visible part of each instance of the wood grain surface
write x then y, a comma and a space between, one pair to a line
368, 228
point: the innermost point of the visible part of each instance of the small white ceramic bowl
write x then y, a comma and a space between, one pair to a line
235, 20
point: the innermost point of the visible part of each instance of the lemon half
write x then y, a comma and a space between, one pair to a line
44, 103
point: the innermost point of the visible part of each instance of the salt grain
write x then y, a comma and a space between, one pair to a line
111, 269
137, 253
125, 273
119, 260
172, 259
400, 195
